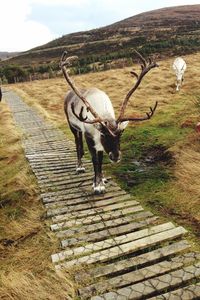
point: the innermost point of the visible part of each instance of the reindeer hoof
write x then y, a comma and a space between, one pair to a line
99, 189
105, 180
80, 170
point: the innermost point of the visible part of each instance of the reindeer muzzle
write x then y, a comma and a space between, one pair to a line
115, 158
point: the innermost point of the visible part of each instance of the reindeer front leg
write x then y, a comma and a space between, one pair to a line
177, 85
97, 158
98, 184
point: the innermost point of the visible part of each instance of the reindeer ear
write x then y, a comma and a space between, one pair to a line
123, 125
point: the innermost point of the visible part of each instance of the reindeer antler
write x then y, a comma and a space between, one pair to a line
145, 68
67, 61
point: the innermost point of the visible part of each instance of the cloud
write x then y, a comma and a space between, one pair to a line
60, 2
17, 31
25, 24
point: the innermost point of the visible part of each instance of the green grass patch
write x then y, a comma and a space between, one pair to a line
147, 166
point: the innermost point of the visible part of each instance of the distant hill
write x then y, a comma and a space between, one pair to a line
6, 55
167, 31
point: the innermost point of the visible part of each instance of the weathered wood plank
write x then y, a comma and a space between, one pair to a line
91, 204
104, 234
50, 176
64, 178
136, 276
92, 211
52, 163
137, 261
185, 293
54, 171
154, 285
61, 195
107, 254
59, 202
98, 226
69, 181
102, 217
66, 187
111, 242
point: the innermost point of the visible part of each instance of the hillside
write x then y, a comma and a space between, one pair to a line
6, 55
167, 31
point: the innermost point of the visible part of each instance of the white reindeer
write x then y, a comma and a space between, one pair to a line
179, 67
90, 113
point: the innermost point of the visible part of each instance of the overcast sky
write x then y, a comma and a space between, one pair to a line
25, 24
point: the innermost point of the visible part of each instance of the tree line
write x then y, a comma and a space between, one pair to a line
94, 63
99, 62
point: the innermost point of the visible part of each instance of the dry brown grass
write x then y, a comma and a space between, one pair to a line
188, 175
26, 271
49, 94
177, 108
26, 285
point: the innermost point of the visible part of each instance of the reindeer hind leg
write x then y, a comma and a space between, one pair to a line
79, 149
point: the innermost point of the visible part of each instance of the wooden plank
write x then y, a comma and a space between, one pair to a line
56, 162
55, 171
185, 293
90, 204
99, 225
48, 155
58, 172
79, 237
136, 276
92, 211
101, 217
41, 169
69, 181
66, 187
155, 285
137, 261
111, 253
73, 182
48, 162
29, 142
60, 178
49, 176
52, 167
49, 197
32, 152
111, 242
59, 202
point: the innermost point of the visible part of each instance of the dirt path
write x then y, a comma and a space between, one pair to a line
114, 248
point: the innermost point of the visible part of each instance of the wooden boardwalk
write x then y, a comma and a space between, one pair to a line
115, 249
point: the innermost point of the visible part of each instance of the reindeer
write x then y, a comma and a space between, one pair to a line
90, 113
179, 67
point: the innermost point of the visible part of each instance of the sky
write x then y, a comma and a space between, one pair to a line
25, 24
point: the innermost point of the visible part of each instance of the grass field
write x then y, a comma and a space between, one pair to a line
160, 165
26, 244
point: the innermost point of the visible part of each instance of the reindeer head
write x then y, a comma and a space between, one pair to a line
110, 129
111, 132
